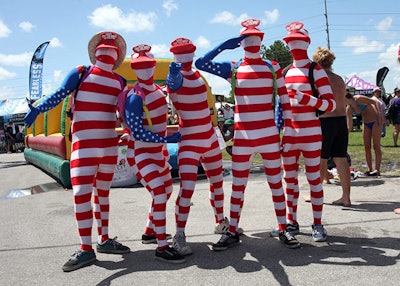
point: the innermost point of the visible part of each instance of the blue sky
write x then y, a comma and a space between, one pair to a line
364, 35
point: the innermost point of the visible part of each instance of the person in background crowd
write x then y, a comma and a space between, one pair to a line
396, 120
372, 122
11, 137
335, 134
377, 96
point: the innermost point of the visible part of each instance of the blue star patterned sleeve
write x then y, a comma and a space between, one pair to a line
50, 101
222, 69
69, 84
133, 114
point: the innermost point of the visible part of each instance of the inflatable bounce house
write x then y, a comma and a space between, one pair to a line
47, 141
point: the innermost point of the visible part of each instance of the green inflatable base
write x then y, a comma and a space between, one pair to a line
55, 166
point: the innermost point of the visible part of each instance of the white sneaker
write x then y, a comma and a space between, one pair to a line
223, 227
179, 244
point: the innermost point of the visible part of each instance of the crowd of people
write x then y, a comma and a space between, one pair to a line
314, 105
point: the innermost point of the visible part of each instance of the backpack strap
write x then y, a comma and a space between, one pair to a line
275, 93
312, 83
233, 77
311, 79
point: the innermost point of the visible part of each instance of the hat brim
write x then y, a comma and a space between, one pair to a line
120, 42
296, 36
183, 49
252, 32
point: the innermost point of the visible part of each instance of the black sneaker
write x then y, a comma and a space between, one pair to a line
288, 239
170, 255
79, 259
151, 238
112, 246
227, 240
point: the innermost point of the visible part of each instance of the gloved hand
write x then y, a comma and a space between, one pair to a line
231, 43
175, 138
30, 117
175, 68
174, 78
302, 98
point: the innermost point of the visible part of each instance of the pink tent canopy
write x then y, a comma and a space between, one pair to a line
360, 85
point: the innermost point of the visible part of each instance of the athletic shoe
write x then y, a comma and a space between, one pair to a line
79, 259
179, 244
112, 246
288, 239
170, 255
223, 227
293, 229
319, 233
227, 240
151, 238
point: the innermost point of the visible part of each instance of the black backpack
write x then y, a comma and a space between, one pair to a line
311, 81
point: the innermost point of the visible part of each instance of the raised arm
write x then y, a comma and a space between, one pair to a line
221, 69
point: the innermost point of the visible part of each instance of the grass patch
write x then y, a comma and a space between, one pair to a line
390, 156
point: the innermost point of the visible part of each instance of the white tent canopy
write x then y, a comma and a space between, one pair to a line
13, 106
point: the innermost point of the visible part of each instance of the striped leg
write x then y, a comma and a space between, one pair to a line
188, 166
82, 186
291, 168
212, 163
272, 165
312, 163
102, 210
240, 173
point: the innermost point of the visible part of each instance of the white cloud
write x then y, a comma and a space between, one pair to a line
110, 17
55, 43
169, 6
19, 60
202, 42
5, 74
227, 18
361, 45
385, 24
26, 26
4, 30
272, 16
161, 51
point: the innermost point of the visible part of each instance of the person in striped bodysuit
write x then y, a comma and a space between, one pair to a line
307, 128
188, 93
255, 128
94, 143
145, 113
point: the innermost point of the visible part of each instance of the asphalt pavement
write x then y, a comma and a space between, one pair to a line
38, 234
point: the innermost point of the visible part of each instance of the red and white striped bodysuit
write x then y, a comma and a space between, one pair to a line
94, 147
199, 142
306, 129
255, 128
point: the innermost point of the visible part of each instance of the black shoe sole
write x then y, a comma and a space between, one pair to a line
222, 248
78, 266
154, 240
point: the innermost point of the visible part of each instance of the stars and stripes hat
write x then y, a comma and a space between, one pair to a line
182, 46
296, 32
142, 58
107, 39
250, 28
